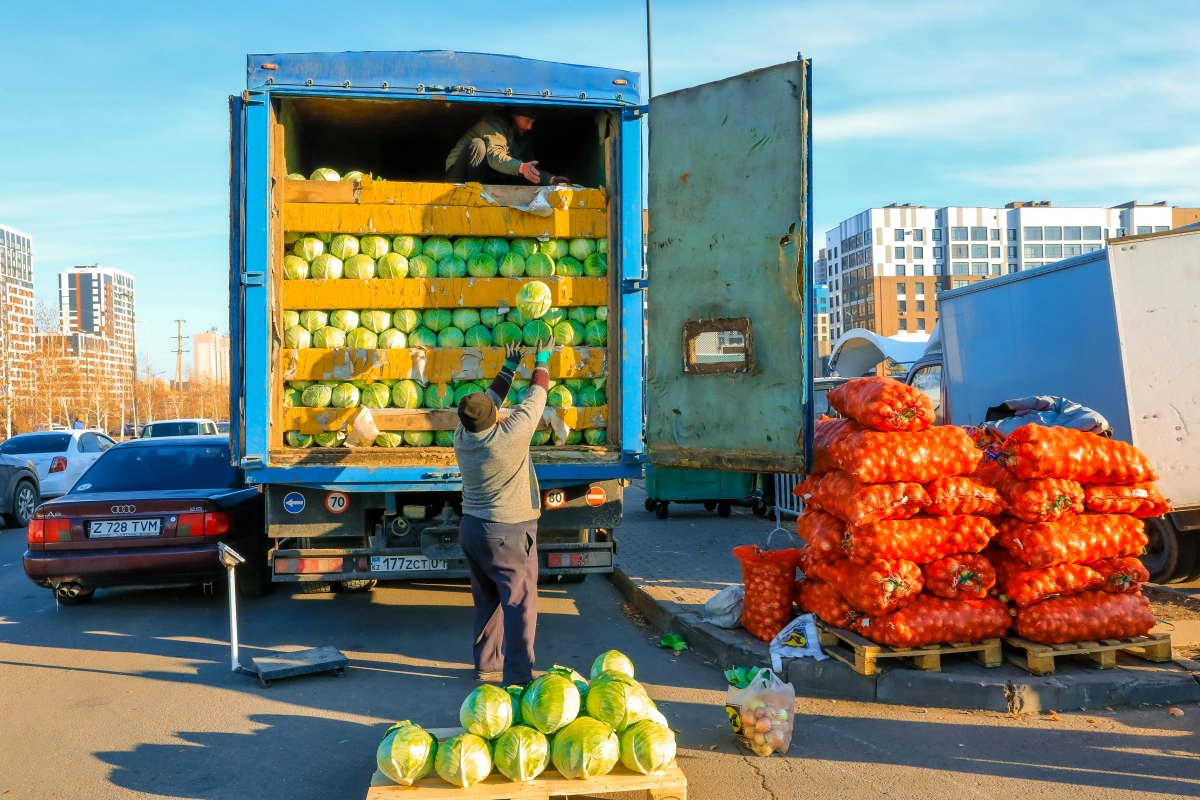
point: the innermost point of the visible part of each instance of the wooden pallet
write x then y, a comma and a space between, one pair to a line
1039, 658
863, 655
671, 785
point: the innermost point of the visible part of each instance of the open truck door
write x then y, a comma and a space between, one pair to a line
237, 265
728, 259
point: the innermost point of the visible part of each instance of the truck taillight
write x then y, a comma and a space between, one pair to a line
37, 531
303, 566
566, 560
58, 464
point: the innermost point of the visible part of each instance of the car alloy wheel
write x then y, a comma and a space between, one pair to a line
25, 500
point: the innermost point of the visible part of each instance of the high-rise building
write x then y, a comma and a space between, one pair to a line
210, 355
16, 311
100, 301
886, 265
821, 341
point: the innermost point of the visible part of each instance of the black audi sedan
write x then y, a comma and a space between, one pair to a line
150, 512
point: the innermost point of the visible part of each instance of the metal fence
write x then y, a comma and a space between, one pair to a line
785, 501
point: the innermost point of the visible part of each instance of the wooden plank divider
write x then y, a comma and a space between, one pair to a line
438, 365
424, 193
318, 420
442, 220
421, 293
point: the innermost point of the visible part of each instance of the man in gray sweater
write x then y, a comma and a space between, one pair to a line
501, 506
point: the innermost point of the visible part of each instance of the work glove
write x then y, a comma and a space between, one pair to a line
512, 356
544, 350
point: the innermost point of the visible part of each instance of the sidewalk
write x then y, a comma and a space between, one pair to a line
668, 568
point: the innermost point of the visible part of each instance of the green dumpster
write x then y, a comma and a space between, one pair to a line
715, 489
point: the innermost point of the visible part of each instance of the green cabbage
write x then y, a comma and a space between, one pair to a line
353, 176
573, 437
521, 753
324, 174
392, 339
345, 395
602, 313
345, 319
617, 700
418, 438
407, 246
516, 318
329, 336
325, 237
436, 318
594, 436
554, 316
296, 176
377, 395
406, 394
514, 693
301, 385
588, 397
452, 267
490, 316
481, 265
362, 338
582, 314
580, 682
611, 661
359, 267
486, 712
344, 246
478, 336
317, 396
450, 337
647, 747
523, 247
406, 320
437, 248
587, 748
511, 266
291, 318
536, 332
467, 246
463, 318
549, 702
568, 333
422, 266
463, 760
539, 265
374, 246
568, 267
389, 439
329, 439
540, 438
295, 268
595, 265
465, 388
326, 267
505, 333
297, 337
439, 395
555, 248
495, 247
375, 320
559, 397
313, 320
580, 249
291, 237
392, 265
602, 245
422, 337
534, 299
293, 398
297, 439
443, 438
595, 333
575, 384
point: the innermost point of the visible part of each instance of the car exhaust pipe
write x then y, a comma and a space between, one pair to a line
68, 590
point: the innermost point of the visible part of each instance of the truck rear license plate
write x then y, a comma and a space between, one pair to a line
407, 564
113, 528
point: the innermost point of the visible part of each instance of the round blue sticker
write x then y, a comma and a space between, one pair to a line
293, 503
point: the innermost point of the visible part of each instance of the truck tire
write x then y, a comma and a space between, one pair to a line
1172, 556
24, 501
316, 587
358, 586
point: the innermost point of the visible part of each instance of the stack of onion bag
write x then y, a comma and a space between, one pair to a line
1066, 554
894, 525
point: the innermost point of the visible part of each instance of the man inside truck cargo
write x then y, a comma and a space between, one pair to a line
500, 509
498, 149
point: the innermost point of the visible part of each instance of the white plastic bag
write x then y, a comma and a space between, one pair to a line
798, 639
724, 609
761, 713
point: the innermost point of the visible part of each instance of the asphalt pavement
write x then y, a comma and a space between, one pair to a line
132, 696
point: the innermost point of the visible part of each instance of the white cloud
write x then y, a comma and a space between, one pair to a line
954, 118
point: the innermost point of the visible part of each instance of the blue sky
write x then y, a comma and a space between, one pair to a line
114, 136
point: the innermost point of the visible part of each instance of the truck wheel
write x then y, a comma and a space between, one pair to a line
1172, 555
316, 587
710, 506
724, 509
661, 511
651, 505
358, 586
24, 501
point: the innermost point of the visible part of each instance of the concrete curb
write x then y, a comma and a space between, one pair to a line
960, 685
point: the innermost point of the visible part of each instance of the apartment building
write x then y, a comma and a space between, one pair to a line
16, 309
885, 266
210, 356
100, 300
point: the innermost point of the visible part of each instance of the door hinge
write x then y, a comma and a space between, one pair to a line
630, 457
253, 278
631, 285
252, 98
252, 461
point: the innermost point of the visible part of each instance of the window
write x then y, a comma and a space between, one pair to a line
904, 325
995, 252
155, 469
1120, 233
979, 268
979, 234
958, 234
1091, 231
921, 324
1091, 248
899, 235
1012, 268
902, 306
899, 252
939, 269
1012, 252
30, 443
920, 305
1054, 251
937, 234
1033, 251
979, 251
1053, 233
995, 269
1032, 264
939, 252
960, 251
1072, 250
919, 270
1012, 234
867, 236
961, 268
1072, 233
900, 270
1033, 234
961, 284
88, 443
1161, 228
920, 288
918, 252
919, 235
900, 289
995, 234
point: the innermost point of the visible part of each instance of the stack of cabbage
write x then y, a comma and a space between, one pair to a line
330, 256
582, 728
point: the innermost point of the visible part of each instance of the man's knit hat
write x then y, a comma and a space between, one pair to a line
477, 412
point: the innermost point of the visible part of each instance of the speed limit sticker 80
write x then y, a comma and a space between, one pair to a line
336, 502
555, 498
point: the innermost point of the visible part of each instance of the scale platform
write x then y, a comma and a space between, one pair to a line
301, 662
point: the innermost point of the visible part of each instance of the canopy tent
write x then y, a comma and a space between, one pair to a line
858, 351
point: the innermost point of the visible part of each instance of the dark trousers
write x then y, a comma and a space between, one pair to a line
504, 571
472, 167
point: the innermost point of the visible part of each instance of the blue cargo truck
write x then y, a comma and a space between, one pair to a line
348, 433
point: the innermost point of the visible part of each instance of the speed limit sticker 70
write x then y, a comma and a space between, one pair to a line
555, 498
336, 502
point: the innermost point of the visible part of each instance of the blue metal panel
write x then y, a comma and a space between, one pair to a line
237, 185
633, 445
443, 72
257, 370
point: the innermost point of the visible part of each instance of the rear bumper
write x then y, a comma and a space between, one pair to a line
131, 566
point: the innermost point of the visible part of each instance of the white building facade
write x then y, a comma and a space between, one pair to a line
100, 301
16, 313
210, 356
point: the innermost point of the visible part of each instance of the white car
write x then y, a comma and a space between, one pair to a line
59, 456
179, 427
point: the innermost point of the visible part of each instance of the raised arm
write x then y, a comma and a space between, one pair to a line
526, 415
503, 380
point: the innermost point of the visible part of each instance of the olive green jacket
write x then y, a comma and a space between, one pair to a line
507, 148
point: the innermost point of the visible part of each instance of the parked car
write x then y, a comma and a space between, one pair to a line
20, 490
821, 387
223, 428
179, 427
59, 456
150, 511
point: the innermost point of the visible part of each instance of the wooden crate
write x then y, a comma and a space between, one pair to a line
1039, 658
863, 655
